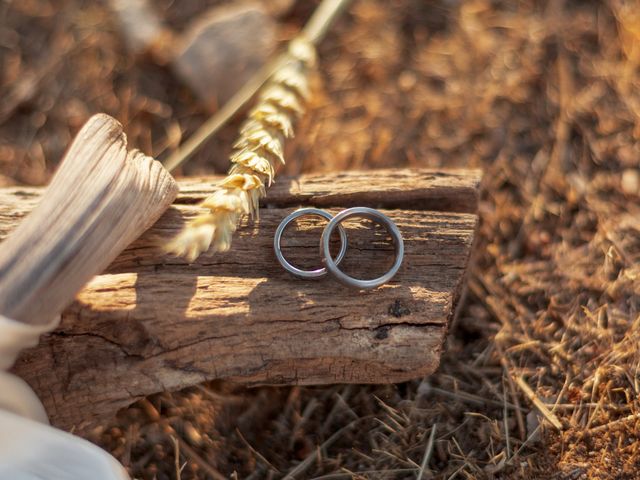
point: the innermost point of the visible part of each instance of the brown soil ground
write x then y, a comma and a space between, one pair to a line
544, 96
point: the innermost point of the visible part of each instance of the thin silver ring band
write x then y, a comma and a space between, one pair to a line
277, 240
377, 217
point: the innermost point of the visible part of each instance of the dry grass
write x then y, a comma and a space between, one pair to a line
541, 376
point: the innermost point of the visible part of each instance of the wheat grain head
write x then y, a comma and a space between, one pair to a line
259, 148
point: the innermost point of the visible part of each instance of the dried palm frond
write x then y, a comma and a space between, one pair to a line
257, 151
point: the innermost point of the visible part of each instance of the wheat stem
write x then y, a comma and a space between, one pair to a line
260, 146
222, 116
322, 18
314, 30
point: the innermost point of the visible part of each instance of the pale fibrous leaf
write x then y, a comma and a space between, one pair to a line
257, 150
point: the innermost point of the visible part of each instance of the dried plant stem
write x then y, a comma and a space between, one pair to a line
615, 423
539, 404
222, 116
428, 451
322, 18
258, 149
261, 143
314, 31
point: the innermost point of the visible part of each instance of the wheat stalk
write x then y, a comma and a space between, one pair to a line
257, 152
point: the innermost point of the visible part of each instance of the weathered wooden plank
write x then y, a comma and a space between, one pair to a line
153, 322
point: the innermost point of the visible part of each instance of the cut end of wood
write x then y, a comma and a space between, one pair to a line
99, 201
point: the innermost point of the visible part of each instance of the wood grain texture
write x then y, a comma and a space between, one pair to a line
153, 322
102, 197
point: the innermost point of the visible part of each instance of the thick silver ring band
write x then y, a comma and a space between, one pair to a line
277, 240
376, 216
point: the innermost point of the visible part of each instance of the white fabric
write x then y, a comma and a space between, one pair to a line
17, 397
30, 449
16, 336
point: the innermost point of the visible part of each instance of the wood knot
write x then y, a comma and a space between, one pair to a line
398, 310
382, 332
134, 338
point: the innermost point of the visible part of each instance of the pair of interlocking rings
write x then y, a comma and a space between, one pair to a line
331, 264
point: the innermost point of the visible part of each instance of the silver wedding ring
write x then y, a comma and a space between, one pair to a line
377, 217
277, 243
331, 264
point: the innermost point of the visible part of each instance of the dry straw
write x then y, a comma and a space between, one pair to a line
257, 152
